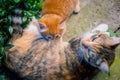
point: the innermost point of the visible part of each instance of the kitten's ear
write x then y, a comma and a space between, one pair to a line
116, 41
63, 25
101, 27
42, 27
104, 67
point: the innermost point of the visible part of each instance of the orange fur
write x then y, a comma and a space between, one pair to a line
24, 42
54, 15
52, 25
62, 8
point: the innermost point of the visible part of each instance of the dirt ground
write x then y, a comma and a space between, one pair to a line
92, 13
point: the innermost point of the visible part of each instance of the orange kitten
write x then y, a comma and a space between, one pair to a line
54, 15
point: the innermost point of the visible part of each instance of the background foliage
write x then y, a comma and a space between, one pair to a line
29, 8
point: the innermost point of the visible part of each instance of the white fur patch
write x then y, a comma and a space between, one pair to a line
116, 40
102, 27
107, 33
104, 67
16, 19
32, 27
88, 35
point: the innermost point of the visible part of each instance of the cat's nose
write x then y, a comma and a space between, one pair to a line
49, 37
57, 36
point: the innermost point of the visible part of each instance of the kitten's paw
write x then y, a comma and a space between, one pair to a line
76, 11
77, 8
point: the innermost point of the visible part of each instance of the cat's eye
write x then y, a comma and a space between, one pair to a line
49, 37
94, 39
57, 36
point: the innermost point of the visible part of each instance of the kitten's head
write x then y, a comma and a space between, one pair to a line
98, 48
50, 27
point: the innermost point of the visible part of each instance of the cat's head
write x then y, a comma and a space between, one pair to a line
98, 48
51, 27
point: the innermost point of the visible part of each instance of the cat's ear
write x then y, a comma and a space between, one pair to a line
42, 27
63, 25
116, 41
101, 27
104, 67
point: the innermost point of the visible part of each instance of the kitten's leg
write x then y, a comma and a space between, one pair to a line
63, 26
77, 8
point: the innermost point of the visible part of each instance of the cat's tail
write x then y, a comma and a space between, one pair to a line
17, 23
17, 19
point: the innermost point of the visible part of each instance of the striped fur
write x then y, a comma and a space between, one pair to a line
17, 23
33, 58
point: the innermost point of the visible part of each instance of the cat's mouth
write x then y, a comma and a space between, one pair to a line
87, 54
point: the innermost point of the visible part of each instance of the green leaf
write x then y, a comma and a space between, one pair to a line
10, 30
1, 58
8, 46
9, 18
24, 19
30, 1
16, 1
3, 13
1, 40
29, 13
112, 34
3, 52
38, 6
37, 17
2, 77
27, 5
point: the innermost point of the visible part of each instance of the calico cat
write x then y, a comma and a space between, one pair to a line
32, 58
95, 51
54, 15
